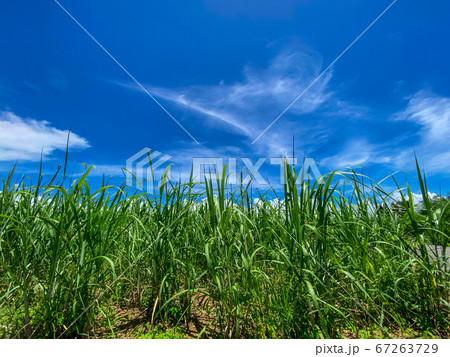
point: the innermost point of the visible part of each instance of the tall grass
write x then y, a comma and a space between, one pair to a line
328, 257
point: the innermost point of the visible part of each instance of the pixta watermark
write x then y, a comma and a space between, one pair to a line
150, 169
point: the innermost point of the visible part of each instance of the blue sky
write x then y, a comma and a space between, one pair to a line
225, 70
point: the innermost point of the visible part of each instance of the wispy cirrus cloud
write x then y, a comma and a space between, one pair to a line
246, 107
358, 151
431, 113
27, 139
426, 124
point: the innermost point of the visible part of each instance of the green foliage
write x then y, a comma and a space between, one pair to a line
323, 255
158, 333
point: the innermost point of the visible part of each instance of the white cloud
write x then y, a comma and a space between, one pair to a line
417, 197
430, 114
357, 152
248, 106
26, 138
